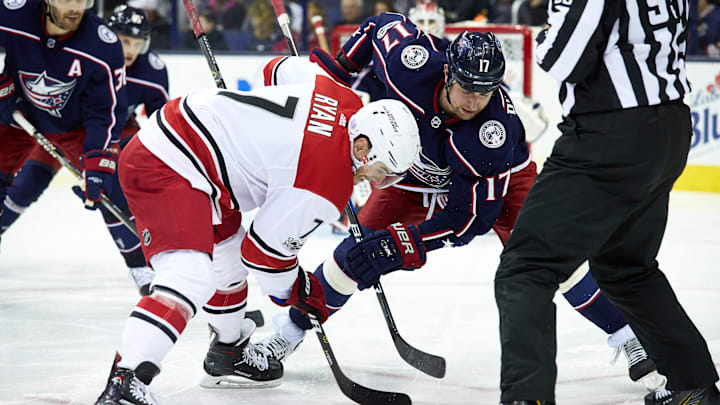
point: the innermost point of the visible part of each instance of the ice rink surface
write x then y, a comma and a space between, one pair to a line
65, 295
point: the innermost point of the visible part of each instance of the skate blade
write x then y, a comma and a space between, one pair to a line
235, 382
653, 381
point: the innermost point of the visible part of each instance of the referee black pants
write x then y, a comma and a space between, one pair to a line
602, 195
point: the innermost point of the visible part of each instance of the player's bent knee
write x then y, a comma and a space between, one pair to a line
226, 259
186, 274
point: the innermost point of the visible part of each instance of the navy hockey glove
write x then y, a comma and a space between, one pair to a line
329, 65
399, 246
307, 295
99, 168
8, 99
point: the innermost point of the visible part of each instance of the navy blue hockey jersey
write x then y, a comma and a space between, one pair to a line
147, 84
470, 160
70, 82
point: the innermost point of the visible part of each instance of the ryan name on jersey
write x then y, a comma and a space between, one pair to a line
323, 108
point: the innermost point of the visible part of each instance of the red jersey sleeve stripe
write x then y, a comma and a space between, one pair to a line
270, 70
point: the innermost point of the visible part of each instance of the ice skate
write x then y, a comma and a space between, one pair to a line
124, 387
701, 396
640, 367
286, 339
241, 364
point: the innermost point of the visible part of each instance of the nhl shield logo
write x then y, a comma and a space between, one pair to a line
147, 238
414, 56
46, 93
492, 134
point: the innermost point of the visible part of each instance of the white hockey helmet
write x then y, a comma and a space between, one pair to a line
428, 17
393, 134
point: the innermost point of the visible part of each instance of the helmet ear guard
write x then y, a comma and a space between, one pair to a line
475, 62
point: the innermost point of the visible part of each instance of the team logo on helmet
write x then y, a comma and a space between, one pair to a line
13, 4
414, 56
46, 93
107, 35
492, 134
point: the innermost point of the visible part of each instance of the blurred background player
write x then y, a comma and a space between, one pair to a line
147, 87
64, 71
309, 143
463, 185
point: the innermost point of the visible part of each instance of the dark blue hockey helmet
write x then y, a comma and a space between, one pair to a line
131, 22
475, 61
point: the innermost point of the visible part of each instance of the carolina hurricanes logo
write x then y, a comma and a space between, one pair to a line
45, 92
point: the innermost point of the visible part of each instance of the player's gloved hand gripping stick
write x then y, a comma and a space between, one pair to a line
427, 363
55, 153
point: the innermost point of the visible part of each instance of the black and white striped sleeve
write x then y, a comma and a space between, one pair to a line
572, 44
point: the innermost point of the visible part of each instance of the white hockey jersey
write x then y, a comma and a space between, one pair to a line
282, 149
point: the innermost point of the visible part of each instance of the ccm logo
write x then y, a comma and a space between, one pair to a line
404, 237
7, 91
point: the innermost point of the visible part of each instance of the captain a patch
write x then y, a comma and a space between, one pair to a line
492, 134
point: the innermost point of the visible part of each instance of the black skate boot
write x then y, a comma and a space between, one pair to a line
702, 396
129, 387
241, 364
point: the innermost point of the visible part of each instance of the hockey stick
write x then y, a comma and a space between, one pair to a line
317, 21
284, 22
352, 390
58, 155
255, 315
204, 43
429, 364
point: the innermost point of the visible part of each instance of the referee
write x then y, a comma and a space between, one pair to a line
603, 195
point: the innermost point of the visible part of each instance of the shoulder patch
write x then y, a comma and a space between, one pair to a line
155, 61
492, 134
414, 56
106, 34
14, 4
385, 28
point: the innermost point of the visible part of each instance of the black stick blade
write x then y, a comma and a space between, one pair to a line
429, 364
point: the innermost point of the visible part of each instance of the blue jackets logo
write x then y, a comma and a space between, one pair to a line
492, 134
46, 93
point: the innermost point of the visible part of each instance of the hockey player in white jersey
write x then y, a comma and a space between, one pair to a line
294, 152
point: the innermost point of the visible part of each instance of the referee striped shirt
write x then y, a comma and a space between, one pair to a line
611, 55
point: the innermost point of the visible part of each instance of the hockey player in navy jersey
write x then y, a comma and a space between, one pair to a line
64, 71
474, 172
147, 85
